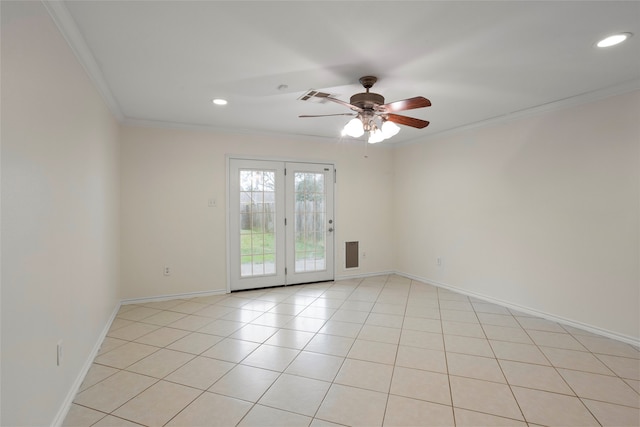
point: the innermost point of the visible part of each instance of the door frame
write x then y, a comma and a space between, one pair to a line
228, 158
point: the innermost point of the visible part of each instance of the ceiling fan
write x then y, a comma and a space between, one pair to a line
371, 113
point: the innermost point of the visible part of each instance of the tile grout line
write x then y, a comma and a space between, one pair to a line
495, 356
395, 359
446, 359
526, 331
341, 364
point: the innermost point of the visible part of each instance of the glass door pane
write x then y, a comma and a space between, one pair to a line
310, 225
258, 216
256, 224
309, 203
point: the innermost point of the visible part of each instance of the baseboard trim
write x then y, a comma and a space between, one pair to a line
68, 400
167, 297
187, 295
362, 276
528, 310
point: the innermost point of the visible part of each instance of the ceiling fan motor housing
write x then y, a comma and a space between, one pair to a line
367, 100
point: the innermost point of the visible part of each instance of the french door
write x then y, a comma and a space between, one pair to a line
280, 223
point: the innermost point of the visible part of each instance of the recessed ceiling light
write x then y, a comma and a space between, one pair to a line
613, 40
220, 101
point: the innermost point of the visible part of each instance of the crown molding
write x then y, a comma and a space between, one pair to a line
71, 33
161, 124
557, 105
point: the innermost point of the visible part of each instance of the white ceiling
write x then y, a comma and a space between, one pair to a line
164, 61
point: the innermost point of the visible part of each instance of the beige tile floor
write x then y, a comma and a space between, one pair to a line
378, 351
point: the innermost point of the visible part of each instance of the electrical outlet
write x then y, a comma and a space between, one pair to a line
439, 261
167, 271
59, 353
212, 203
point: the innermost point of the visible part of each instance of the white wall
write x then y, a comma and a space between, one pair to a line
169, 175
60, 197
541, 212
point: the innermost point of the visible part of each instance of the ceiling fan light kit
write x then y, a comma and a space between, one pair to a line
389, 129
372, 114
375, 136
354, 128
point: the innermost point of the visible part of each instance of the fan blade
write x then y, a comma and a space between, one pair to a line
327, 115
323, 95
407, 121
346, 104
406, 104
